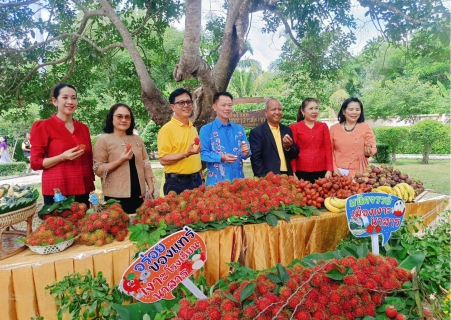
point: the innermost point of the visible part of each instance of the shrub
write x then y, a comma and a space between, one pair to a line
383, 153
149, 137
18, 153
13, 168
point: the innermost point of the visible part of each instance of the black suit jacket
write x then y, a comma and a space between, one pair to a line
265, 157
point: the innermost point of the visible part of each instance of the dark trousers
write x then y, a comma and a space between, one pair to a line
178, 183
310, 176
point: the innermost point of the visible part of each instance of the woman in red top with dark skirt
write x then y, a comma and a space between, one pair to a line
313, 140
61, 147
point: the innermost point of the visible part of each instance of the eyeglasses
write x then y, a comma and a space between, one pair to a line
119, 117
181, 104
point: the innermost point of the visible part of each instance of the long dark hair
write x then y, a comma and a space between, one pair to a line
302, 107
109, 128
342, 118
56, 91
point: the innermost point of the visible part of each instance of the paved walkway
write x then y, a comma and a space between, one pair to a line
35, 178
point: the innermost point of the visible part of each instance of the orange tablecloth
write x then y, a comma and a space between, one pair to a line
23, 277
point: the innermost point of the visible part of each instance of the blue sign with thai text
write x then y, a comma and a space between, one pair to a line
374, 213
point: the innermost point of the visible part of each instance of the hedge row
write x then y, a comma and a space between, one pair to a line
411, 146
13, 168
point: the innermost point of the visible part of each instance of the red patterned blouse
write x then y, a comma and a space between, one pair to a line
50, 138
315, 151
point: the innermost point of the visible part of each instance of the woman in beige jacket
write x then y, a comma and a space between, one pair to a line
121, 160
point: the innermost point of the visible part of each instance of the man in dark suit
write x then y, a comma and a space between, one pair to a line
272, 143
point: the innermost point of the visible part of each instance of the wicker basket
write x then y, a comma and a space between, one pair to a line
54, 248
13, 217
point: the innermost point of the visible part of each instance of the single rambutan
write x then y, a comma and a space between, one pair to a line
355, 302
319, 314
370, 284
346, 305
213, 313
350, 280
372, 259
285, 292
377, 299
302, 315
100, 242
93, 216
334, 309
228, 306
392, 262
262, 288
250, 312
292, 284
199, 316
323, 299
349, 315
233, 286
359, 312
335, 297
370, 309
201, 305
294, 302
262, 303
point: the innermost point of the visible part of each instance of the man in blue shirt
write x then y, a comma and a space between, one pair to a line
224, 143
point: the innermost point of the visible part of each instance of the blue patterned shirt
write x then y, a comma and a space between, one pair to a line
218, 139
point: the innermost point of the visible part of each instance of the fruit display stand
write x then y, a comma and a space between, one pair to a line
8, 247
24, 276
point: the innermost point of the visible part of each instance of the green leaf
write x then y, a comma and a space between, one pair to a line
274, 278
247, 291
335, 274
414, 260
362, 251
272, 220
229, 296
283, 274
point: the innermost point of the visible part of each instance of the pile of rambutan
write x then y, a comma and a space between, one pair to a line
221, 201
75, 213
307, 293
54, 230
100, 228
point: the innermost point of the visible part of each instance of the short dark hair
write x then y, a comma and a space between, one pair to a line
222, 93
56, 91
342, 118
304, 103
178, 92
109, 128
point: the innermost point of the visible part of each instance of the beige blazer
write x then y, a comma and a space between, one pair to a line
108, 148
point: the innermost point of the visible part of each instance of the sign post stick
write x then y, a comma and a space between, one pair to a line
194, 290
375, 244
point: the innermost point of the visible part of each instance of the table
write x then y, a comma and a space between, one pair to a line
259, 246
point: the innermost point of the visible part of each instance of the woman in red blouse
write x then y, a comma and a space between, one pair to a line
313, 140
61, 147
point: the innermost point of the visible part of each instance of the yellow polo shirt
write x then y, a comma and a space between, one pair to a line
176, 137
276, 133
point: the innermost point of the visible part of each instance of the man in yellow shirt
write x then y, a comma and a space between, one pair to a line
178, 146
272, 143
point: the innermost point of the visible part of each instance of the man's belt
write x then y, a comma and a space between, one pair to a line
182, 176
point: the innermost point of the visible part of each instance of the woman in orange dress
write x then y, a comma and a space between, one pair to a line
353, 141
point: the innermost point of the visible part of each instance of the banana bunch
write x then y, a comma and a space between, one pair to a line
335, 204
404, 191
383, 189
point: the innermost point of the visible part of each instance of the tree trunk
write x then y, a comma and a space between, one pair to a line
393, 155
426, 151
154, 101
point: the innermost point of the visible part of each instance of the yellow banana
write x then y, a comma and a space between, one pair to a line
337, 202
330, 207
409, 189
385, 189
403, 191
397, 192
374, 190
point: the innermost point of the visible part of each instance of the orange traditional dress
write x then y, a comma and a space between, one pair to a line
348, 147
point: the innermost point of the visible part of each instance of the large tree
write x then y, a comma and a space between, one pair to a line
78, 31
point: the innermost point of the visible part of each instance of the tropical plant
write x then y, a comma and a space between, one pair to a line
426, 132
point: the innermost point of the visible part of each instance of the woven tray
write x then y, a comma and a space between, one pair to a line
13, 217
54, 248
